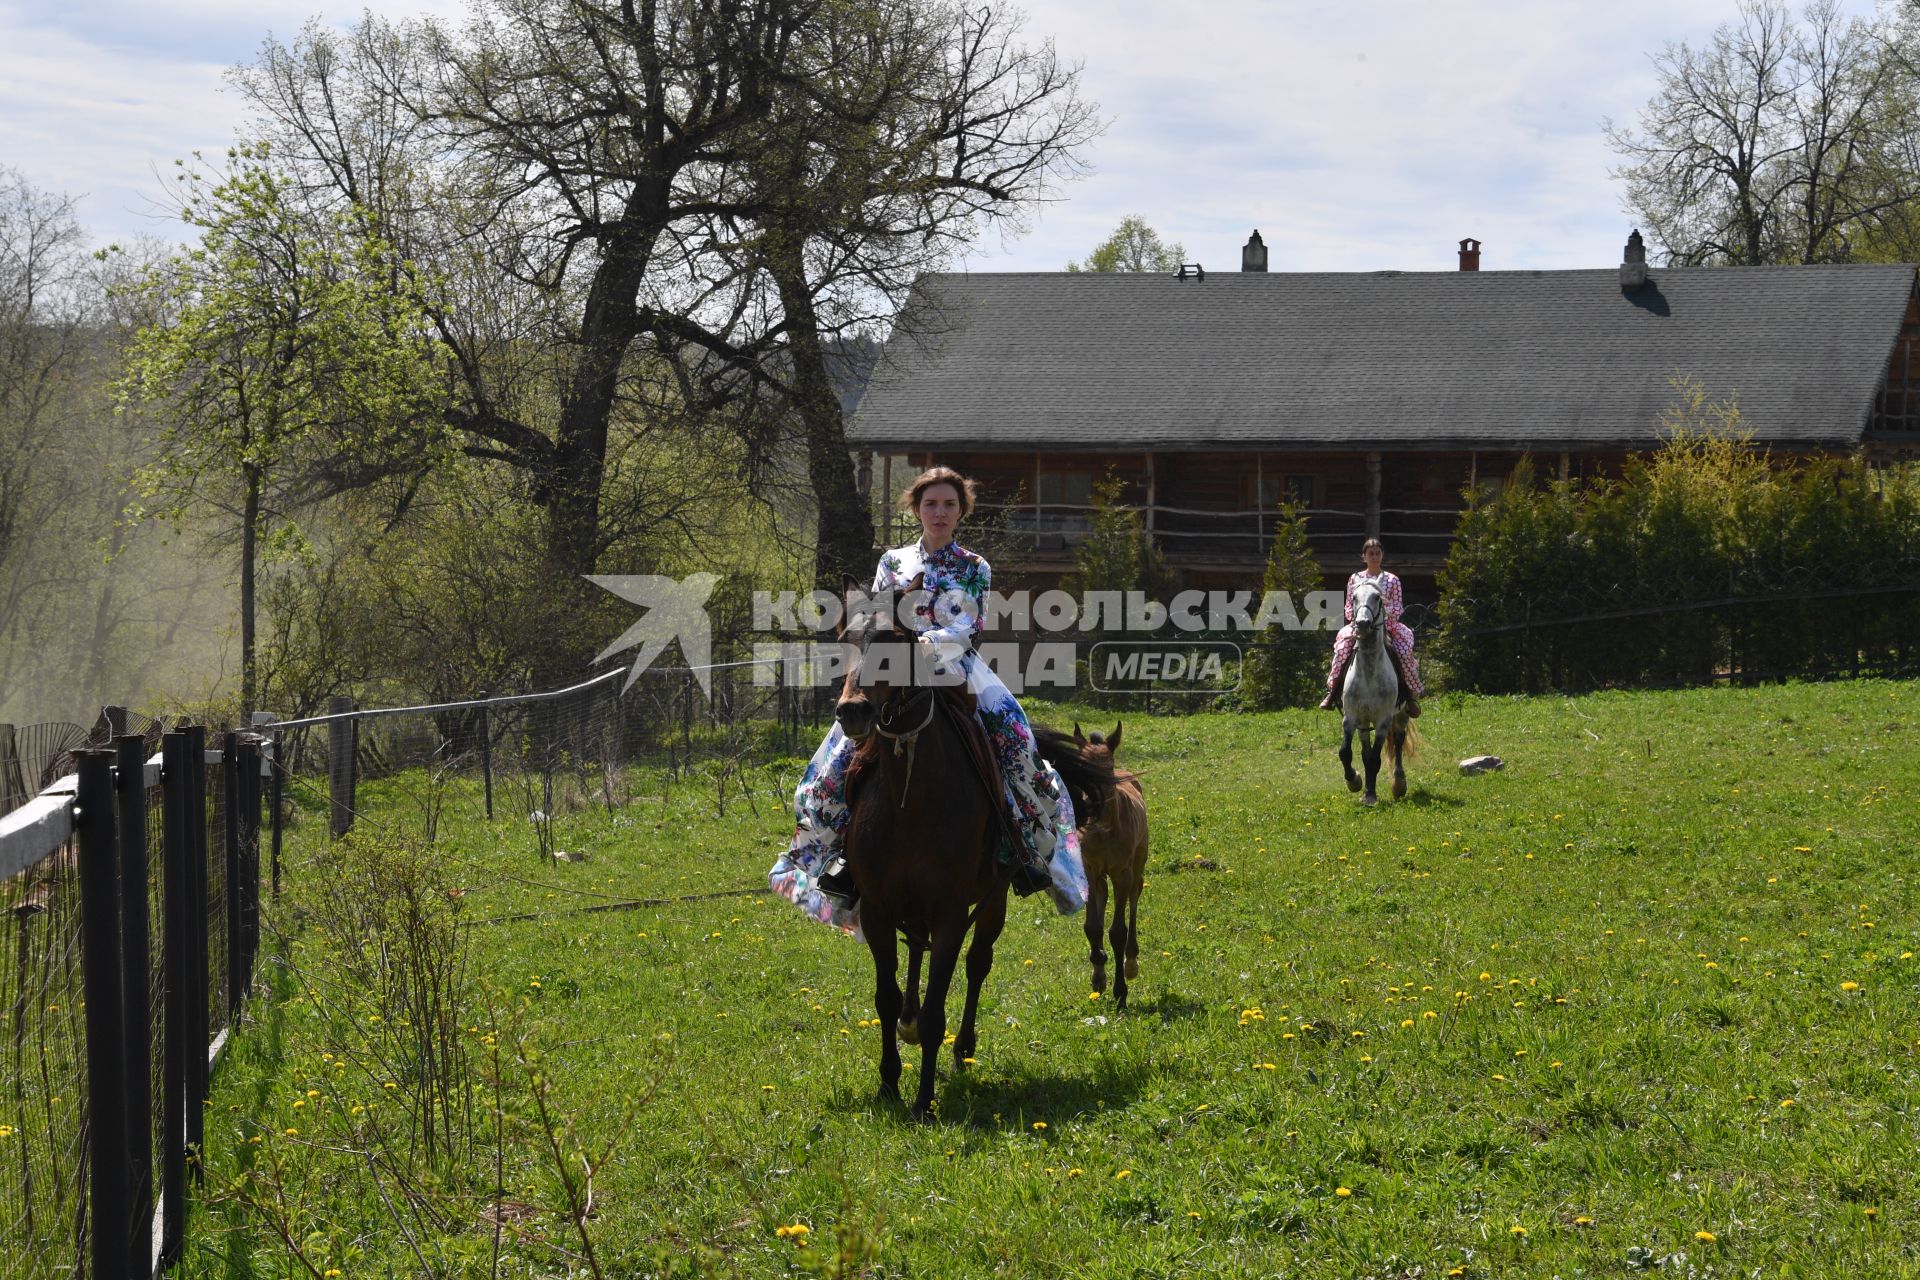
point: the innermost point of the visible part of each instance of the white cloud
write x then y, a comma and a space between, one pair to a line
1369, 134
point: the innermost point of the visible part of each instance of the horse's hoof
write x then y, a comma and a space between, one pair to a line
1369, 800
1399, 788
909, 1032
1133, 967
922, 1112
890, 1093
1099, 983
1353, 784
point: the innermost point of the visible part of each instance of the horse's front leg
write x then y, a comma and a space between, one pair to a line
1346, 752
948, 933
1370, 757
886, 996
909, 1023
1095, 922
986, 931
1118, 937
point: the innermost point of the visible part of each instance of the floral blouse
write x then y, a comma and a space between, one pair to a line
956, 583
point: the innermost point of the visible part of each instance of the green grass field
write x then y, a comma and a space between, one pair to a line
1646, 1000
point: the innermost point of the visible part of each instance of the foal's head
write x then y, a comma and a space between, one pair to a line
1098, 746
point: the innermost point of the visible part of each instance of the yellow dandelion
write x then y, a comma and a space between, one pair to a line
1787, 1102
1517, 1231
1343, 1192
1849, 986
1074, 1173
1871, 1212
1124, 1173
1039, 1124
1583, 1221
1705, 1237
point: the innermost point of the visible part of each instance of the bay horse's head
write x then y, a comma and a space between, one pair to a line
881, 680
1369, 610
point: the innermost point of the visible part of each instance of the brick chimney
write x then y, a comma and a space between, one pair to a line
1469, 254
1253, 256
1633, 266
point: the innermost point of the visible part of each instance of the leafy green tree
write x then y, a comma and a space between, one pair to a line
289, 362
1133, 246
1282, 668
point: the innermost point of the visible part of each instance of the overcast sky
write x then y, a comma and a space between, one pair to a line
1355, 134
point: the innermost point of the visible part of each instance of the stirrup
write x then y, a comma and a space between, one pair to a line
1028, 879
837, 885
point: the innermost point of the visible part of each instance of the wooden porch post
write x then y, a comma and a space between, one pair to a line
1373, 495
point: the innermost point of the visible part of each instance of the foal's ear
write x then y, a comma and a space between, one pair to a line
1113, 739
1077, 735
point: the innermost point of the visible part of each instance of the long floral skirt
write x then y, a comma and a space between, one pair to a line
1034, 794
1399, 639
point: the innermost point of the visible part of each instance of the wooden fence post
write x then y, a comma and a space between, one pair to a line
486, 753
341, 766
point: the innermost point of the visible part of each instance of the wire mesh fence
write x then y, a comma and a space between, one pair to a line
43, 1088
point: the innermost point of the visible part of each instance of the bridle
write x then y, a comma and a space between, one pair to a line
885, 720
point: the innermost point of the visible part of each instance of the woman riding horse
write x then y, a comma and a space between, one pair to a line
1399, 635
811, 874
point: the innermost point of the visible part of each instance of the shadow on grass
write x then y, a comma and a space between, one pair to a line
1168, 1006
1012, 1102
988, 1100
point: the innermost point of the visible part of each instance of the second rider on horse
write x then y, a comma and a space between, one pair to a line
1399, 634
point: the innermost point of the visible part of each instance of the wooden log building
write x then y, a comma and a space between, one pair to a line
1375, 399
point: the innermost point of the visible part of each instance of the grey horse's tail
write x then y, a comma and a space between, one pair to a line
1403, 743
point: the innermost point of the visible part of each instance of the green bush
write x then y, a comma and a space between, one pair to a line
1706, 559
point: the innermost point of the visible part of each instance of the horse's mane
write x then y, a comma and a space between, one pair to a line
1089, 780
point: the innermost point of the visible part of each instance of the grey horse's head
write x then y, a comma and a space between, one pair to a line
1369, 608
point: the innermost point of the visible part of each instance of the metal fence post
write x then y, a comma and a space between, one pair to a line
199, 979
136, 951
176, 844
231, 806
277, 798
248, 768
340, 764
107, 1137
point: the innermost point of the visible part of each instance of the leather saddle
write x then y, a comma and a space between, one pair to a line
961, 710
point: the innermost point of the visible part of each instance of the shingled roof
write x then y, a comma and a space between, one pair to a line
1418, 360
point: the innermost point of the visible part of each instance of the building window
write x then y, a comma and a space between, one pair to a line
1066, 489
1270, 490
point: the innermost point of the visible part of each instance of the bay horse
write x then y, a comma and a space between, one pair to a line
1371, 699
1113, 841
923, 835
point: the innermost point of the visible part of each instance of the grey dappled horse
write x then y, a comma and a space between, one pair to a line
1370, 698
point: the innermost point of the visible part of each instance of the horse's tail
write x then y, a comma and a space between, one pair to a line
1404, 742
1089, 782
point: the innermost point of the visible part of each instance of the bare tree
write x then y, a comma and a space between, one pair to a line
1781, 141
907, 130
